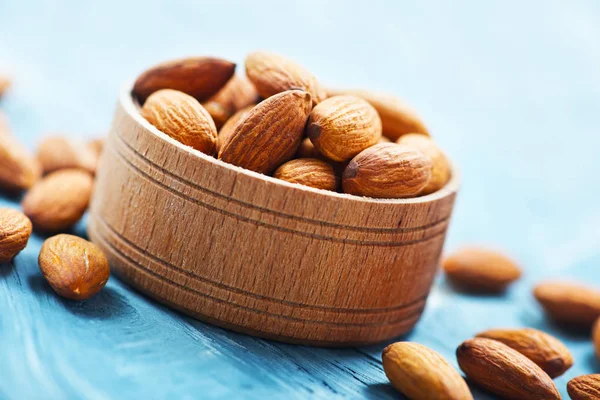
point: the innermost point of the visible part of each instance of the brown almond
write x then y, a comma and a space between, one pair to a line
181, 117
19, 170
199, 77
272, 73
503, 371
59, 152
572, 304
440, 173
397, 118
59, 200
476, 269
596, 337
269, 134
387, 170
5, 84
585, 387
229, 127
74, 268
309, 172
238, 93
549, 353
15, 229
421, 373
343, 126
308, 150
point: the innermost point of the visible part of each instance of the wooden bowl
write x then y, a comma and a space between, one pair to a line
258, 255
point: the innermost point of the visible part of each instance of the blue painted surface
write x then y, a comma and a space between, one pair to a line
510, 89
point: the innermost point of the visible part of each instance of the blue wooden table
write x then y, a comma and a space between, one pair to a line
510, 90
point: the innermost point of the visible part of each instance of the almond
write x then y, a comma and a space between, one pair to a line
596, 337
585, 387
19, 170
181, 117
269, 134
308, 150
15, 229
309, 172
272, 73
238, 93
5, 83
343, 126
387, 170
199, 77
549, 353
74, 268
572, 304
59, 200
477, 269
229, 127
397, 118
504, 371
421, 373
440, 173
59, 152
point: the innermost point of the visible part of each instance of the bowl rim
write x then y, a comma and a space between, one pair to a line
133, 109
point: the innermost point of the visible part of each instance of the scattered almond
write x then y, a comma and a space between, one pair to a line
228, 128
199, 77
15, 229
309, 172
504, 371
476, 269
272, 73
585, 387
596, 337
387, 170
19, 170
59, 152
440, 173
59, 200
269, 134
74, 268
238, 93
343, 126
549, 353
421, 373
572, 304
181, 117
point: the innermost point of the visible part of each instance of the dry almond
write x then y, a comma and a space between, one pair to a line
309, 172
549, 353
308, 150
5, 83
397, 118
421, 373
476, 269
387, 170
440, 173
269, 134
572, 304
59, 200
74, 268
596, 337
229, 127
238, 93
585, 387
199, 77
272, 73
15, 229
343, 126
58, 152
504, 371
19, 170
181, 117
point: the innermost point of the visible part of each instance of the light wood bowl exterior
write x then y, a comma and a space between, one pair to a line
258, 255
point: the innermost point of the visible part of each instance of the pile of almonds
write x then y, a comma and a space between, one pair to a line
279, 120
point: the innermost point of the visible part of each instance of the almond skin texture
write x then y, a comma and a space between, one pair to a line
421, 373
343, 126
59, 200
501, 370
479, 270
440, 173
181, 117
387, 170
15, 229
596, 337
19, 170
269, 134
59, 152
272, 73
309, 172
585, 387
199, 77
397, 117
549, 353
229, 127
74, 268
573, 305
238, 93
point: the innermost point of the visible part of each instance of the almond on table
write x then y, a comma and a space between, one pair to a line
586, 387
19, 170
15, 229
571, 304
60, 152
